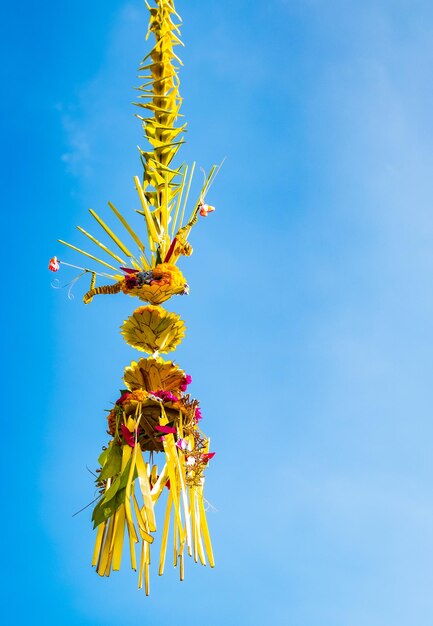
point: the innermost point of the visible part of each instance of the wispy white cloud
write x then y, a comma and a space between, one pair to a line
103, 106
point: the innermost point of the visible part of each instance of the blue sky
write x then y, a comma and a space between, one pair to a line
309, 321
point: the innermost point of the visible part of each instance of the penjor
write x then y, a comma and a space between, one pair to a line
155, 417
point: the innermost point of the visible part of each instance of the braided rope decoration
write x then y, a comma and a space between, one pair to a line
105, 289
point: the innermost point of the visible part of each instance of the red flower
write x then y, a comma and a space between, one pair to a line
54, 264
167, 430
208, 456
123, 398
127, 435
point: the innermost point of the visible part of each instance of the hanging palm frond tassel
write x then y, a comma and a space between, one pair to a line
157, 450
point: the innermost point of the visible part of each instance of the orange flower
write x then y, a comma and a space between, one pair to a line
156, 285
54, 264
205, 209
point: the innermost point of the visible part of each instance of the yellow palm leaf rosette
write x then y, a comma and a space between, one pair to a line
154, 374
153, 329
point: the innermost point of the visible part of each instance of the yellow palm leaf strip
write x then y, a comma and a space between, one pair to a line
127, 227
133, 539
185, 230
198, 544
194, 215
209, 180
200, 549
197, 538
110, 553
153, 475
110, 233
102, 246
141, 566
147, 214
94, 258
159, 485
182, 481
172, 452
119, 537
113, 538
142, 525
143, 481
146, 568
205, 530
179, 199
171, 457
176, 528
103, 565
105, 541
164, 208
181, 562
193, 522
128, 508
174, 488
164, 539
180, 430
206, 186
182, 216
98, 542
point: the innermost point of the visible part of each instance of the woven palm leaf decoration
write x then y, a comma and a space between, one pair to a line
155, 418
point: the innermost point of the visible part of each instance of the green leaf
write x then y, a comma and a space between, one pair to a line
111, 492
119, 483
103, 456
104, 510
158, 256
112, 463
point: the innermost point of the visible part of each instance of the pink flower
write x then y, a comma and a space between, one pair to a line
127, 435
198, 416
186, 381
167, 430
182, 444
54, 264
165, 396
